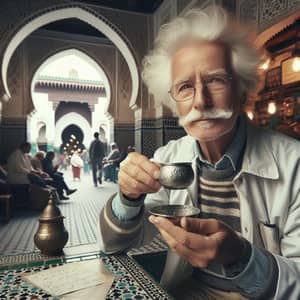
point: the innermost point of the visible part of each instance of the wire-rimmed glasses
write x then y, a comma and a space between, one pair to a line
215, 84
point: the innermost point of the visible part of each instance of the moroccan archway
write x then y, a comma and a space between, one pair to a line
85, 57
76, 119
93, 19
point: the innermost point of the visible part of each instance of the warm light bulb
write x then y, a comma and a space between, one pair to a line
250, 115
67, 144
296, 64
265, 65
272, 108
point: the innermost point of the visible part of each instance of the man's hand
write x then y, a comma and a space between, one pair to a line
138, 175
200, 241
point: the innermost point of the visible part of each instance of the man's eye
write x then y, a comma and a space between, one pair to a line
185, 86
215, 80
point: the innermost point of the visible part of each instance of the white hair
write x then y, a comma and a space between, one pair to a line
209, 24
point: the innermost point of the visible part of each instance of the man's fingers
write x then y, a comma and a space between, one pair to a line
137, 179
202, 226
144, 163
138, 175
182, 236
196, 257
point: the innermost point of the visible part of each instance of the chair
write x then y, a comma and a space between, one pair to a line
6, 199
39, 197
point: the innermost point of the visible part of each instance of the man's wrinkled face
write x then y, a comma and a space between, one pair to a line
202, 83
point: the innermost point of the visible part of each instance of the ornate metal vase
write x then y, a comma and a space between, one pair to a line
51, 235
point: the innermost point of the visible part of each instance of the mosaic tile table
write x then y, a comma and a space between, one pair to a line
133, 282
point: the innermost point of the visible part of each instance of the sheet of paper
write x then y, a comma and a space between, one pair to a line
97, 292
71, 277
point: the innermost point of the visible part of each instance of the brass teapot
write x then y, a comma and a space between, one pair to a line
51, 235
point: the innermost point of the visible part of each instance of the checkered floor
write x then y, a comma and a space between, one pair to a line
81, 216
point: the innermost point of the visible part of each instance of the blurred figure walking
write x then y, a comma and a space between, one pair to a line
77, 164
85, 158
96, 152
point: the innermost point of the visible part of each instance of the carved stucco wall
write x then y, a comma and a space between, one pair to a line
261, 13
265, 13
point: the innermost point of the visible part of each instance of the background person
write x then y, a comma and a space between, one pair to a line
245, 245
36, 164
19, 165
125, 153
85, 158
96, 152
111, 163
77, 164
58, 178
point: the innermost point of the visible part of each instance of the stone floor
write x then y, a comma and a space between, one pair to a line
81, 213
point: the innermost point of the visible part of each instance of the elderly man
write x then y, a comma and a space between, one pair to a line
245, 244
19, 165
20, 170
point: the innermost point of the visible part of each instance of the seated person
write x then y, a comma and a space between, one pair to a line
111, 162
59, 182
36, 163
125, 153
19, 165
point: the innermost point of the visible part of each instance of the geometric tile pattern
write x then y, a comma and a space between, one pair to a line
131, 281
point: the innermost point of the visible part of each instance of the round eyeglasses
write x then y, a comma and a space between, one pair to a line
215, 84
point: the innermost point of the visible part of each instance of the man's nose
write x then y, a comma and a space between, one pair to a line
201, 98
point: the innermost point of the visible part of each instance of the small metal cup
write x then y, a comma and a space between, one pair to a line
176, 175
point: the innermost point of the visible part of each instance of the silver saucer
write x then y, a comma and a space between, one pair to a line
173, 211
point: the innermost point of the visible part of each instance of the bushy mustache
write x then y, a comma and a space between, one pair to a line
208, 114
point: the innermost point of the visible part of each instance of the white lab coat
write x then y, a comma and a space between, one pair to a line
268, 186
